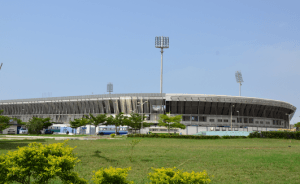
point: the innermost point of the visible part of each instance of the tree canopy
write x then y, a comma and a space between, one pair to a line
97, 120
35, 124
79, 122
118, 120
136, 121
170, 121
5, 120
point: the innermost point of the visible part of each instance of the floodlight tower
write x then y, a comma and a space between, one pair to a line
110, 87
161, 42
1, 66
239, 78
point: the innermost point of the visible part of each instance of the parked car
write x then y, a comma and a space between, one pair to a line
23, 131
48, 131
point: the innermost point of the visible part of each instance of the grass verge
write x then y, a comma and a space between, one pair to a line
229, 160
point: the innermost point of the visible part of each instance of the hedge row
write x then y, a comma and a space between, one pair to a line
184, 136
276, 135
269, 134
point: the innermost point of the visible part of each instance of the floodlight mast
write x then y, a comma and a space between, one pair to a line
161, 42
109, 87
239, 78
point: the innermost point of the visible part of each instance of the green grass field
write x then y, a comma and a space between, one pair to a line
228, 160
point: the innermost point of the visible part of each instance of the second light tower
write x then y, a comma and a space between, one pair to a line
161, 42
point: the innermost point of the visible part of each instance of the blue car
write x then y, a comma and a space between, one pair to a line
107, 130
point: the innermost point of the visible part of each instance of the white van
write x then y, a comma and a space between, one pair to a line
23, 131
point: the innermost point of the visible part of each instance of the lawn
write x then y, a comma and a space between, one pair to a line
228, 160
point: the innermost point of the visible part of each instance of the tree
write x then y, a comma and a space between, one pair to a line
5, 120
136, 121
79, 122
118, 120
38, 163
170, 121
297, 125
35, 125
99, 119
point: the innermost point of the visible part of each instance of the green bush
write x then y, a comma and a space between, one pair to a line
174, 136
112, 176
276, 134
233, 137
112, 135
176, 176
38, 163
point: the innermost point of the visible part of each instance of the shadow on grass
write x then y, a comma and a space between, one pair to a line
97, 154
13, 144
146, 160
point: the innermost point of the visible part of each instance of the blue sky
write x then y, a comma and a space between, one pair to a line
69, 48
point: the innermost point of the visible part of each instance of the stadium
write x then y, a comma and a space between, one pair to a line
199, 111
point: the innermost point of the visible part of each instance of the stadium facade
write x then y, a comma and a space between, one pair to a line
197, 109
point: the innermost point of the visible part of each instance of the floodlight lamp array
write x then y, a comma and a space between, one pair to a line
161, 42
110, 87
239, 77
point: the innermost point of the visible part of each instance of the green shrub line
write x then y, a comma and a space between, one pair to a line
276, 135
184, 136
264, 134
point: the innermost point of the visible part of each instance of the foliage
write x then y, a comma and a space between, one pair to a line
118, 120
111, 176
276, 134
79, 122
132, 144
5, 120
233, 137
38, 163
176, 176
112, 135
297, 124
170, 121
136, 121
97, 120
176, 136
35, 124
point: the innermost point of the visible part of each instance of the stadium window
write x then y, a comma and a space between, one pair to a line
225, 120
268, 122
245, 120
202, 118
186, 118
261, 122
274, 122
147, 117
219, 120
277, 122
194, 118
250, 120
233, 121
256, 122
211, 120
